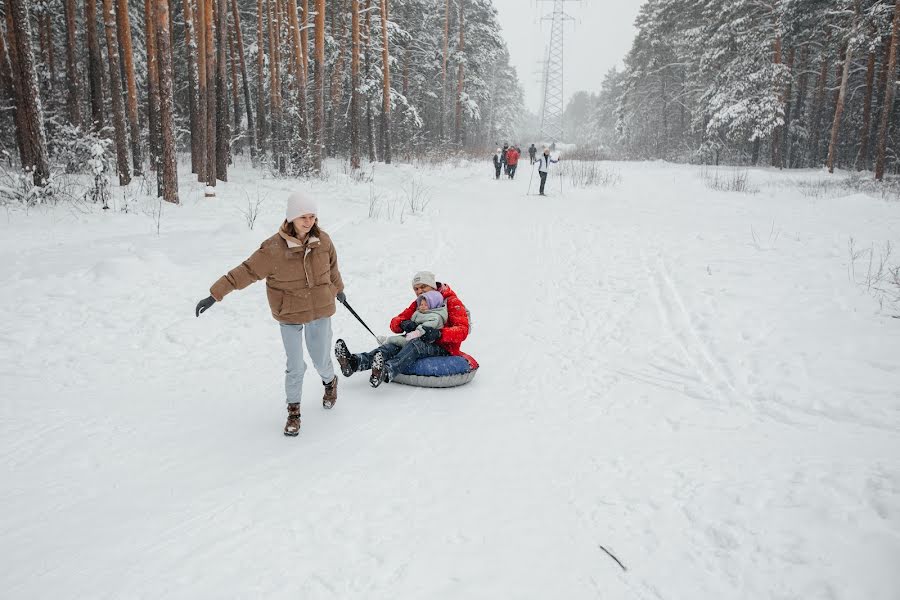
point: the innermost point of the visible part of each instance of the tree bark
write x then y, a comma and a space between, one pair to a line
839, 110
862, 157
799, 106
783, 139
124, 25
236, 116
115, 91
386, 95
275, 88
95, 65
245, 82
11, 73
73, 81
30, 106
299, 146
319, 87
354, 85
888, 95
460, 83
262, 129
337, 74
223, 123
202, 90
153, 123
370, 121
815, 123
209, 36
441, 130
189, 41
168, 172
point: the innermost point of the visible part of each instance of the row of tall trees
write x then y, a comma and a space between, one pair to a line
348, 78
791, 83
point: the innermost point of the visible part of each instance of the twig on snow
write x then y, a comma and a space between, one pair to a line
613, 556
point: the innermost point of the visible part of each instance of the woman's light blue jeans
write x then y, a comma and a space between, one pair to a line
318, 344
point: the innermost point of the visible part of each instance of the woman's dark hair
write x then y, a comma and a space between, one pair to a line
315, 231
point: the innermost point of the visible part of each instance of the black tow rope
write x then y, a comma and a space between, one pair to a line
358, 318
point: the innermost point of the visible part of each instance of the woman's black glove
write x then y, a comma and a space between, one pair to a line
408, 325
431, 334
204, 304
341, 297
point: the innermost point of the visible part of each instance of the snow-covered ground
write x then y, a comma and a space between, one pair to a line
694, 380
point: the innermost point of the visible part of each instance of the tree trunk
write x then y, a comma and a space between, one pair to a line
124, 25
275, 87
441, 130
153, 123
11, 70
262, 129
115, 91
319, 87
236, 116
783, 140
189, 40
30, 106
73, 81
223, 123
862, 157
458, 135
879, 96
888, 95
354, 86
299, 145
95, 65
337, 74
304, 41
168, 172
202, 90
245, 82
815, 123
776, 60
370, 120
839, 109
799, 106
209, 17
386, 95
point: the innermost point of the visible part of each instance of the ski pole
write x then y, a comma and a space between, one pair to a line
358, 318
528, 193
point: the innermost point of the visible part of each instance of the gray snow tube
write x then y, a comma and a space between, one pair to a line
438, 372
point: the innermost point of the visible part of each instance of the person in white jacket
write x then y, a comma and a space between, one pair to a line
544, 167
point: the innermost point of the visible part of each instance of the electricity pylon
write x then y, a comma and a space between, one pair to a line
552, 106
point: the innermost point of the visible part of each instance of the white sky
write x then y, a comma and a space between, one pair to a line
598, 39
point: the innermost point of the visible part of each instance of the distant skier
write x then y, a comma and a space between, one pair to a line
544, 167
498, 163
505, 164
512, 161
532, 152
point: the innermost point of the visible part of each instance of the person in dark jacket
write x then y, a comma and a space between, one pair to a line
505, 163
532, 152
498, 163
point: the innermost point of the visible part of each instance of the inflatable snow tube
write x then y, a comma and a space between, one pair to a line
438, 372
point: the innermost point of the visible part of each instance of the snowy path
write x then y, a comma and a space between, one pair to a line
720, 413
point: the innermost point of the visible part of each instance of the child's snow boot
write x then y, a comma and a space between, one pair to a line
292, 427
378, 370
349, 363
330, 396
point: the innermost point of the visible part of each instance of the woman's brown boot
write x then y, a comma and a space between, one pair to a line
292, 427
330, 396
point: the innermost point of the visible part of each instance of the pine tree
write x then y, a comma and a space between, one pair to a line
30, 99
167, 173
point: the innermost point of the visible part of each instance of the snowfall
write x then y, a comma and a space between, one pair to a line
684, 393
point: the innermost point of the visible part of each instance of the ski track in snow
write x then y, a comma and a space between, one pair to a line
719, 414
